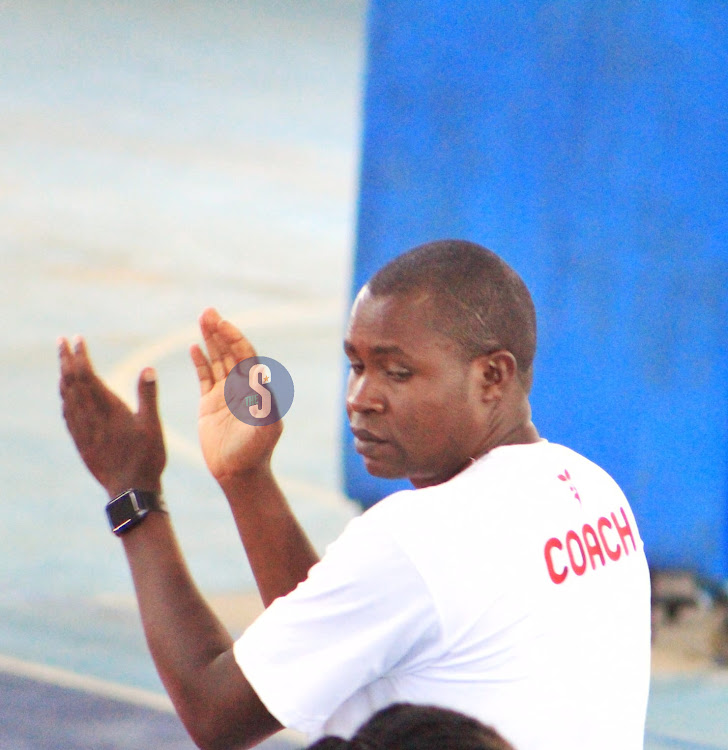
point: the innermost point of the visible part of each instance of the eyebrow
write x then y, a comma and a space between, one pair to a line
349, 348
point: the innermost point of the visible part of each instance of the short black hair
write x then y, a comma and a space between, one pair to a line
480, 302
406, 726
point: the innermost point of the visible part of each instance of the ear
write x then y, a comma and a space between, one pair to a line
495, 373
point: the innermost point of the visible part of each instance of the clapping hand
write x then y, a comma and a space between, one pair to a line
231, 448
122, 449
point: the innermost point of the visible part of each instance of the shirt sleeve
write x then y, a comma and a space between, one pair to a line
363, 612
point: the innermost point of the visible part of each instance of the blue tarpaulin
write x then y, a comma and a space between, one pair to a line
586, 143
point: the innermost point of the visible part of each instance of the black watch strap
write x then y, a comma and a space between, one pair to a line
131, 507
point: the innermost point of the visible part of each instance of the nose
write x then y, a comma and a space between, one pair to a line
362, 395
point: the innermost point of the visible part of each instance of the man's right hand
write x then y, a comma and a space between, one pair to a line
231, 448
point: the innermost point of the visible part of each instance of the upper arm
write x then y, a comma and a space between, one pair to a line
232, 717
363, 613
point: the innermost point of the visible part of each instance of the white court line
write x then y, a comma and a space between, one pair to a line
94, 685
123, 379
104, 688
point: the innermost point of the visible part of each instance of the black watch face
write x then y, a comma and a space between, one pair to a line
124, 512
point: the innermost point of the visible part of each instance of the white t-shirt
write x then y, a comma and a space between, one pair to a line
517, 592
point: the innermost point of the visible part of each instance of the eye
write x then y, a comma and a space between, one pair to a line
399, 375
356, 367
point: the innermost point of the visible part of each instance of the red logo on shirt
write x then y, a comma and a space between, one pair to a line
579, 550
566, 477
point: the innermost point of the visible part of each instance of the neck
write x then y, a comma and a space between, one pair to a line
519, 434
514, 431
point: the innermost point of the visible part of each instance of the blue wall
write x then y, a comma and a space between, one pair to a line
587, 144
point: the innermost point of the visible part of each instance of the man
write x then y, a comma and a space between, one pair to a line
510, 584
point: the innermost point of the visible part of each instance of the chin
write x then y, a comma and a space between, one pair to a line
383, 471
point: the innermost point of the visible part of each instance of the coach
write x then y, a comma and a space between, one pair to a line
510, 583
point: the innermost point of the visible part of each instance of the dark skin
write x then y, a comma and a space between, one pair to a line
417, 407
400, 403
191, 648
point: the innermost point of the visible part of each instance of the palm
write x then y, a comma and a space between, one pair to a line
230, 447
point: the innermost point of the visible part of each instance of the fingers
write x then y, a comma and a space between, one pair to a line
228, 359
208, 326
238, 346
81, 388
83, 395
68, 375
204, 370
74, 361
226, 346
147, 389
65, 359
77, 378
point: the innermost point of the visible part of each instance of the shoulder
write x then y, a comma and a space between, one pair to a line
370, 546
537, 464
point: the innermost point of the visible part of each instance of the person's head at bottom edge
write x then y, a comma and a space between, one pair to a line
405, 726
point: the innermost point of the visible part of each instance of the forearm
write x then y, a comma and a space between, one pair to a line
279, 552
190, 647
183, 632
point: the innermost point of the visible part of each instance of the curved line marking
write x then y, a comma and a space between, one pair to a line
123, 377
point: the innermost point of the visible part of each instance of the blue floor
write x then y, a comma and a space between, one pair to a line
689, 712
42, 716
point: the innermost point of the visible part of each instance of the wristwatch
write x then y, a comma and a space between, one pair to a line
131, 507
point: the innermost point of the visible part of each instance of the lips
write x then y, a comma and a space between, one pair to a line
366, 443
365, 436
